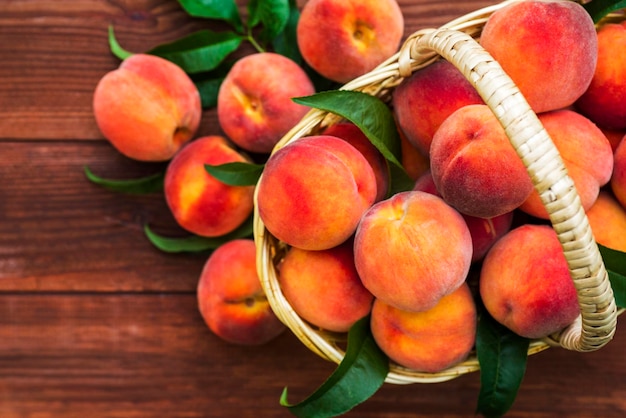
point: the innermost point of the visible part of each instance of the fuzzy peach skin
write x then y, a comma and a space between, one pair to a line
484, 231
525, 283
424, 100
411, 250
604, 102
351, 133
549, 48
618, 178
199, 202
230, 297
254, 103
475, 168
324, 288
428, 341
147, 108
343, 39
607, 219
586, 153
314, 191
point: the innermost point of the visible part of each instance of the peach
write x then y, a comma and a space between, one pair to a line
314, 191
199, 202
351, 133
324, 288
607, 219
525, 283
618, 178
475, 167
484, 231
586, 153
411, 250
147, 108
414, 161
254, 106
549, 48
604, 101
343, 39
424, 100
428, 341
230, 297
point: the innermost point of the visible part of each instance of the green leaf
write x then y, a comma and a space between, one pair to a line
502, 356
271, 14
359, 375
236, 174
194, 243
115, 47
201, 51
615, 263
145, 185
286, 43
376, 121
225, 10
600, 8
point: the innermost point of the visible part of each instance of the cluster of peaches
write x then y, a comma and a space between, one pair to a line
355, 249
473, 225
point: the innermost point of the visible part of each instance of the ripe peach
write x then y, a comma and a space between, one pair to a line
147, 108
343, 39
424, 100
230, 297
314, 191
428, 341
414, 161
199, 202
618, 178
586, 153
475, 167
608, 221
324, 288
604, 102
254, 106
351, 133
411, 250
525, 282
549, 48
484, 231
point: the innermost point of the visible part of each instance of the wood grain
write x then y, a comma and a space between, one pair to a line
96, 322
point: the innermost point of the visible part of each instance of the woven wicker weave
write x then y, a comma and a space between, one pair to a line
456, 42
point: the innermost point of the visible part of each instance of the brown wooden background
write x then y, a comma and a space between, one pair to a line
95, 322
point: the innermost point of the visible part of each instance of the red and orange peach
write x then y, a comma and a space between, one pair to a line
343, 39
314, 191
148, 108
230, 297
412, 249
199, 202
254, 104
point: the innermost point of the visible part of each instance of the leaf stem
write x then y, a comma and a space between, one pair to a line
253, 41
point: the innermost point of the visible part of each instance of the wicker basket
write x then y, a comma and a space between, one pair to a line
456, 42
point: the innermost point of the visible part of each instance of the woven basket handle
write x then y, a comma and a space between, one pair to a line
598, 319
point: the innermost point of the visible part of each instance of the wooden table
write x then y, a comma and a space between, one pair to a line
96, 322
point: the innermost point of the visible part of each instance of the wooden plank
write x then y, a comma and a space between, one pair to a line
61, 232
139, 355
